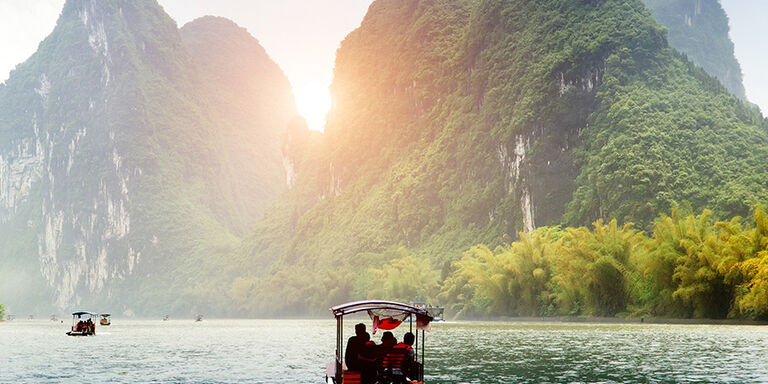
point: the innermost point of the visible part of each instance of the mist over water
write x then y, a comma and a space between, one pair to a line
296, 351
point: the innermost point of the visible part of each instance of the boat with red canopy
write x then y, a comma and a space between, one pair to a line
385, 315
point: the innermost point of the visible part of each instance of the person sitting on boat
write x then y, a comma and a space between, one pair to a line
395, 358
407, 346
354, 346
367, 359
388, 340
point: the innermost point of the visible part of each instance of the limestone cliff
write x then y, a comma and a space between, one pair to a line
119, 190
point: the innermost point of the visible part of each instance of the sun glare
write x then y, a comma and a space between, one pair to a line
313, 101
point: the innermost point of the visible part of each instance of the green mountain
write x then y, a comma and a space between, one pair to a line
136, 158
699, 28
465, 122
123, 175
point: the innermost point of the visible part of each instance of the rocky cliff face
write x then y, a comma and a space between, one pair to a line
115, 174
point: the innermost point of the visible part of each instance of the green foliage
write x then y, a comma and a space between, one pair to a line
459, 123
405, 279
754, 301
691, 267
593, 274
698, 285
512, 280
2, 312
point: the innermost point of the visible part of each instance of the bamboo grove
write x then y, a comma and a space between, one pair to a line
688, 266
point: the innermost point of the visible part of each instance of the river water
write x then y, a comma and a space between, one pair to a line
296, 351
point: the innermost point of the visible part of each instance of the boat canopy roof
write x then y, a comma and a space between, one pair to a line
105, 315
379, 306
80, 313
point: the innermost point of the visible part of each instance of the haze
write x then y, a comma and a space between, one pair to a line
301, 36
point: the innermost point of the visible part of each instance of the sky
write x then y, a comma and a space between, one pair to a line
749, 32
302, 37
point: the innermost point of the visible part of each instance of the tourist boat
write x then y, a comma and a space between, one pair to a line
434, 311
199, 318
166, 318
105, 319
83, 324
386, 315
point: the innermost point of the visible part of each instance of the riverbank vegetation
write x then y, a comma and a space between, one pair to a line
688, 266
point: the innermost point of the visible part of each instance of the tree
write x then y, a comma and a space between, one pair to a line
747, 268
592, 271
512, 280
406, 278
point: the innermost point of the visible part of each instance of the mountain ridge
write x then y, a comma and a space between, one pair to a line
116, 186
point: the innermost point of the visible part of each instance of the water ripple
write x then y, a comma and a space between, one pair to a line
296, 351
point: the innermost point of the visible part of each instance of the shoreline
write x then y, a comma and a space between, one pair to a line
619, 320
529, 319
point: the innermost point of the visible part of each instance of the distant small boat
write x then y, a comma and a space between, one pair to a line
199, 318
105, 319
53, 318
434, 311
166, 318
82, 324
10, 317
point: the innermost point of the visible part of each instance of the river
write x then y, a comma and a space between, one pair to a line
296, 351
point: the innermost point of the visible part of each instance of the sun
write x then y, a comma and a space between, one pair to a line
313, 101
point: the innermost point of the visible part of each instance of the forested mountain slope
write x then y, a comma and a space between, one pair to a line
464, 122
118, 187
